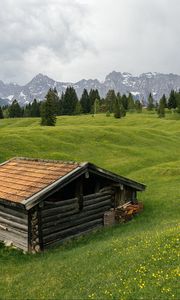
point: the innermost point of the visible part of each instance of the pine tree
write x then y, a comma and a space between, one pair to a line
150, 104
60, 105
119, 110
70, 101
1, 113
35, 109
96, 107
56, 101
78, 109
164, 100
122, 108
48, 114
27, 111
125, 102
93, 95
131, 105
178, 102
172, 100
85, 102
110, 101
161, 109
15, 110
138, 106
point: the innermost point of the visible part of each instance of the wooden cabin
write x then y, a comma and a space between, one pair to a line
44, 202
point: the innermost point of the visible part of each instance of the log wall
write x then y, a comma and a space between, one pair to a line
65, 219
14, 227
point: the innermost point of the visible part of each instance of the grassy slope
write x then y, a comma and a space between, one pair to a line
137, 260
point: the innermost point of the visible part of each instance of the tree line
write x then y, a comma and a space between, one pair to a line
172, 103
89, 103
69, 104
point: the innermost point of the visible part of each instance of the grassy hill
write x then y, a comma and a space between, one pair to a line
137, 260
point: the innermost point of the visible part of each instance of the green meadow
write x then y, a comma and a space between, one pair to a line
136, 260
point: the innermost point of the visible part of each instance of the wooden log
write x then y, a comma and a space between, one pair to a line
64, 233
60, 202
101, 204
97, 200
13, 211
106, 189
59, 215
48, 222
37, 248
72, 223
18, 232
56, 210
96, 195
11, 217
82, 233
19, 242
13, 224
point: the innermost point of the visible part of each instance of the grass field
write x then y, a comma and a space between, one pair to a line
137, 260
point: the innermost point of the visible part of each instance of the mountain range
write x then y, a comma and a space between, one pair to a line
140, 86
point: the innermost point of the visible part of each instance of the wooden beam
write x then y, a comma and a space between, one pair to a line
64, 233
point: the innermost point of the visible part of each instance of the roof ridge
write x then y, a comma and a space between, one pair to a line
47, 160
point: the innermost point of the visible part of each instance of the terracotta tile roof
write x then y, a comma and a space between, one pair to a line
21, 178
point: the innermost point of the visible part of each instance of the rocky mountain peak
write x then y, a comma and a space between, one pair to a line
139, 86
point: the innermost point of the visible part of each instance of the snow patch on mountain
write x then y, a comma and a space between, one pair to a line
139, 86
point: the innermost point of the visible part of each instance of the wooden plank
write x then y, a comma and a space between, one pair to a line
59, 215
19, 242
11, 217
51, 221
13, 224
64, 233
61, 209
97, 200
18, 232
60, 203
70, 237
14, 210
96, 195
71, 223
94, 206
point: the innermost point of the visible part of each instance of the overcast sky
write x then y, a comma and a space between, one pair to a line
73, 39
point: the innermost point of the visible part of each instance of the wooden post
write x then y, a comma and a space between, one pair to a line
79, 192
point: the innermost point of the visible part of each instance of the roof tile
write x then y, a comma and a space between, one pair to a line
21, 178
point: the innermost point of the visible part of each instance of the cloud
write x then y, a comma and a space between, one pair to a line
74, 39
40, 31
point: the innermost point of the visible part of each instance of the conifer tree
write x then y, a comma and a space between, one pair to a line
70, 101
1, 113
172, 100
56, 101
150, 104
164, 100
85, 102
48, 113
125, 102
110, 101
15, 110
60, 104
96, 107
138, 106
177, 96
93, 95
161, 109
131, 105
35, 109
78, 109
117, 109
122, 108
